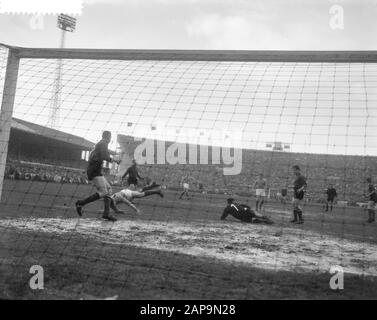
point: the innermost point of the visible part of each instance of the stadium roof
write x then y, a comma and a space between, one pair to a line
36, 129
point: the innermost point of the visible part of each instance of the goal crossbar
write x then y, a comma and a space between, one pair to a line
197, 55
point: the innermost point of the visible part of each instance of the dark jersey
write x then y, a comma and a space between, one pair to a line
331, 193
372, 193
96, 159
298, 184
239, 211
132, 173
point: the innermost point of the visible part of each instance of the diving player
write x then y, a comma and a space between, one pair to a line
127, 195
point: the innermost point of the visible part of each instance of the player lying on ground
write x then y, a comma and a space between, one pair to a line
127, 195
243, 212
94, 172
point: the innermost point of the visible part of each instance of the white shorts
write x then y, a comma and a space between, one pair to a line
124, 194
102, 186
371, 205
186, 186
260, 192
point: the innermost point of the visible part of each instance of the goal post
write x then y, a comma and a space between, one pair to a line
9, 93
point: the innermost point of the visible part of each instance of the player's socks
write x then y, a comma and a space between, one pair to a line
80, 203
151, 192
370, 213
300, 219
78, 208
261, 204
107, 203
295, 215
92, 198
257, 205
151, 186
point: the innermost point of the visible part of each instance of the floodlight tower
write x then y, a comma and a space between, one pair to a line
65, 23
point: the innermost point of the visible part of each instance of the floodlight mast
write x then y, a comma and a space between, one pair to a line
65, 23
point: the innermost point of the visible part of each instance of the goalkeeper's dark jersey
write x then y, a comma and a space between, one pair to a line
96, 159
331, 193
239, 211
372, 193
299, 183
132, 173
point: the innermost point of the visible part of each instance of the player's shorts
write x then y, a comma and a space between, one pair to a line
296, 202
186, 186
371, 204
132, 181
330, 199
93, 172
102, 186
298, 195
260, 192
119, 196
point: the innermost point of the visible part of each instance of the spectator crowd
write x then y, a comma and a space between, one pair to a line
346, 173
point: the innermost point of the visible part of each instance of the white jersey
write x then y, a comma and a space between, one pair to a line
123, 194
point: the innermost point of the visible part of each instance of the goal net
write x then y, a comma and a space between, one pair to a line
205, 126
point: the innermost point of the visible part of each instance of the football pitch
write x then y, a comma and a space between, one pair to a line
178, 249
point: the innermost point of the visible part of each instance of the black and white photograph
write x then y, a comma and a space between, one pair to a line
210, 151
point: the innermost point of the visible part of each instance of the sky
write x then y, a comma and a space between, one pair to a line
205, 24
336, 112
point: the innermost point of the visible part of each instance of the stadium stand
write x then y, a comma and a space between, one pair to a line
346, 173
39, 153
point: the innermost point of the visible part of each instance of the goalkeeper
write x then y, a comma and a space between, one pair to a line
243, 212
94, 172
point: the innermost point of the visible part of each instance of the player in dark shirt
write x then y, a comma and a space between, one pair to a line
284, 194
299, 188
133, 174
331, 195
94, 173
372, 197
243, 212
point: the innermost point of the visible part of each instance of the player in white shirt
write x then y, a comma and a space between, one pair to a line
260, 191
127, 195
186, 188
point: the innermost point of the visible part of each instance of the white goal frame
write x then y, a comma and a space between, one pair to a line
15, 54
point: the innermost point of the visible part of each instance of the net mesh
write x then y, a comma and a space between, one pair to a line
215, 126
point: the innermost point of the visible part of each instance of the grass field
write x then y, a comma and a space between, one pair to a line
178, 249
